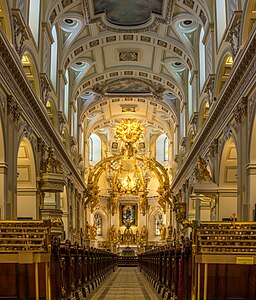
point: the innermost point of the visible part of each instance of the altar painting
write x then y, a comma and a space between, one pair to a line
128, 212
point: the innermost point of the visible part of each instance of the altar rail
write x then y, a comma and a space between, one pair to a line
32, 266
127, 261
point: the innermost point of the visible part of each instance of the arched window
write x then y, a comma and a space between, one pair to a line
162, 148
166, 149
98, 223
75, 125
202, 59
221, 19
182, 125
158, 223
190, 103
34, 18
54, 58
95, 148
66, 95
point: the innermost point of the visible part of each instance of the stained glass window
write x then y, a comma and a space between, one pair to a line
158, 223
98, 222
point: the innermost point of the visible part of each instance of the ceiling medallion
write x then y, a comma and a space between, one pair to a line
128, 56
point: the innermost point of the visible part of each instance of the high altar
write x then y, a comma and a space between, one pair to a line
128, 197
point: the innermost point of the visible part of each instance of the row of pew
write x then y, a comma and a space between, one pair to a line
168, 270
73, 272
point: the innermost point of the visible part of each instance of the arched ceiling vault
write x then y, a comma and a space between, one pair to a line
119, 53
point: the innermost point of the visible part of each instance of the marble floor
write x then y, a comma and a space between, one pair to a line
127, 283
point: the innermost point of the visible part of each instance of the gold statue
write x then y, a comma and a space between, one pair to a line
144, 233
143, 203
119, 236
169, 228
93, 231
163, 232
114, 204
87, 230
202, 173
113, 235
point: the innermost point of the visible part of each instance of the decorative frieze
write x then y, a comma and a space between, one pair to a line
240, 111
13, 109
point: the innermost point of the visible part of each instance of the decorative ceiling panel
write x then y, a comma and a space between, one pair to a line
129, 12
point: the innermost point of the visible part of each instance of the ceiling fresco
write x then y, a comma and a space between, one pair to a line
128, 12
128, 86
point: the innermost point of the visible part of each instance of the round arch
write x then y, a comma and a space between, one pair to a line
5, 20
203, 113
248, 20
31, 71
52, 112
228, 200
223, 71
27, 206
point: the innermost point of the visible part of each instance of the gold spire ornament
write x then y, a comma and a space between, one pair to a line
129, 131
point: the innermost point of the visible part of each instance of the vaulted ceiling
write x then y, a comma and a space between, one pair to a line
130, 58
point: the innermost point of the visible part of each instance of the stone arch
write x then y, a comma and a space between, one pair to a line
223, 71
104, 217
248, 20
52, 112
203, 113
27, 206
228, 200
5, 20
151, 223
31, 71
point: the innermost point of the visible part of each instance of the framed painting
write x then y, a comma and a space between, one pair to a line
128, 211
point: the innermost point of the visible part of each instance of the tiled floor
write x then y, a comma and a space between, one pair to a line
127, 283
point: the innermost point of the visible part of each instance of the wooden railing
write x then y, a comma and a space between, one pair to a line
127, 261
35, 265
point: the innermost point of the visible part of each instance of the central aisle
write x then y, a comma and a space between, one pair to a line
127, 283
